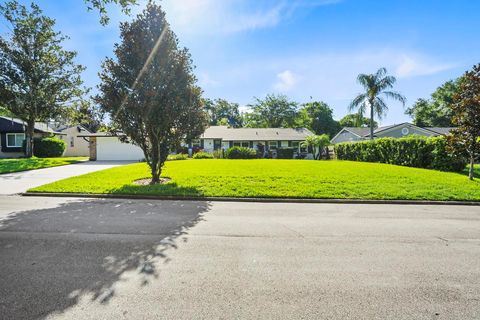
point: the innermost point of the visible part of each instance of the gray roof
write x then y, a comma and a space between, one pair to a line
255, 134
365, 131
440, 130
39, 126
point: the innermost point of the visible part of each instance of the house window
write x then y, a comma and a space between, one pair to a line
15, 140
196, 143
72, 142
245, 144
273, 144
295, 144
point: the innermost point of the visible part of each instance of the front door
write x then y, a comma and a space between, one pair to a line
217, 144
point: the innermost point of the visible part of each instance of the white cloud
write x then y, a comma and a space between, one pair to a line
410, 66
286, 80
225, 17
205, 80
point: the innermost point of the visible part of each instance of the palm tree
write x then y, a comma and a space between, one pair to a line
315, 141
376, 85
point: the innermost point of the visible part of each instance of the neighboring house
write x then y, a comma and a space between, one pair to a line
76, 146
104, 146
394, 131
12, 135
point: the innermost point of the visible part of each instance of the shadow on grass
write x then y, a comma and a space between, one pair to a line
51, 259
167, 189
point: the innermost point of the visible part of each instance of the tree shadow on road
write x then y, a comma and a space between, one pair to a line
52, 258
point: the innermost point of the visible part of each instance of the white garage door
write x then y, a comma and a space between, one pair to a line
110, 148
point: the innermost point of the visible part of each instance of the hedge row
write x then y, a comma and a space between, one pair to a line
415, 151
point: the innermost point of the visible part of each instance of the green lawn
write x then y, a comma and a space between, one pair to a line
14, 165
278, 178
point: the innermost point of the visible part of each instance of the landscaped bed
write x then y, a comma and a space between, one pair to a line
277, 178
14, 165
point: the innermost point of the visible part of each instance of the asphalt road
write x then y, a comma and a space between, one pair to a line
121, 259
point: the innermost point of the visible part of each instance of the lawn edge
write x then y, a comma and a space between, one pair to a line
261, 200
59, 165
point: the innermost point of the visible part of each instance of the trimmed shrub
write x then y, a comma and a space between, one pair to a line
48, 147
203, 155
413, 151
179, 156
218, 154
285, 153
240, 153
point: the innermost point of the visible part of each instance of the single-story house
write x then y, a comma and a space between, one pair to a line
260, 139
12, 135
393, 131
104, 146
76, 144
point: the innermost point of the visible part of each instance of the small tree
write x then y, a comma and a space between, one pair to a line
38, 78
150, 91
316, 141
466, 109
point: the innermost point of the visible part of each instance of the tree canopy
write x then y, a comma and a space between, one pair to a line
436, 111
466, 116
100, 6
38, 78
376, 87
356, 120
223, 112
274, 111
318, 117
149, 89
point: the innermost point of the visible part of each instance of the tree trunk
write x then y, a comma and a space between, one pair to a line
371, 120
29, 139
470, 172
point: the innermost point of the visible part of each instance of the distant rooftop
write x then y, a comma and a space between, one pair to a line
255, 134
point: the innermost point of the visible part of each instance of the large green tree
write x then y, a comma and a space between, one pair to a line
436, 111
355, 120
376, 87
466, 116
149, 88
223, 112
275, 111
318, 117
38, 78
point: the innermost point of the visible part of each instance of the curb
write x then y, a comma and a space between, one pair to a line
259, 200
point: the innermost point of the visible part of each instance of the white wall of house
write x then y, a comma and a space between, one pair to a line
111, 148
75, 146
208, 145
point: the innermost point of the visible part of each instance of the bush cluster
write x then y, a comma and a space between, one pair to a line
413, 151
179, 156
285, 153
202, 155
240, 153
48, 147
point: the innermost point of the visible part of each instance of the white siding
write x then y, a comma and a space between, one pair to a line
208, 145
111, 148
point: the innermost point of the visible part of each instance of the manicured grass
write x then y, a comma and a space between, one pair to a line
278, 178
14, 165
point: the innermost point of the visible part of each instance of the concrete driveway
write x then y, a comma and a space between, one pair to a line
18, 182
119, 259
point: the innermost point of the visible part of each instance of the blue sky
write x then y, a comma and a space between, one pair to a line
302, 48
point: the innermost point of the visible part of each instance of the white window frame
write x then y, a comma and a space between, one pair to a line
245, 144
273, 144
196, 143
14, 134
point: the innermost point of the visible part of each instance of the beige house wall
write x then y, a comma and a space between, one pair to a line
75, 146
